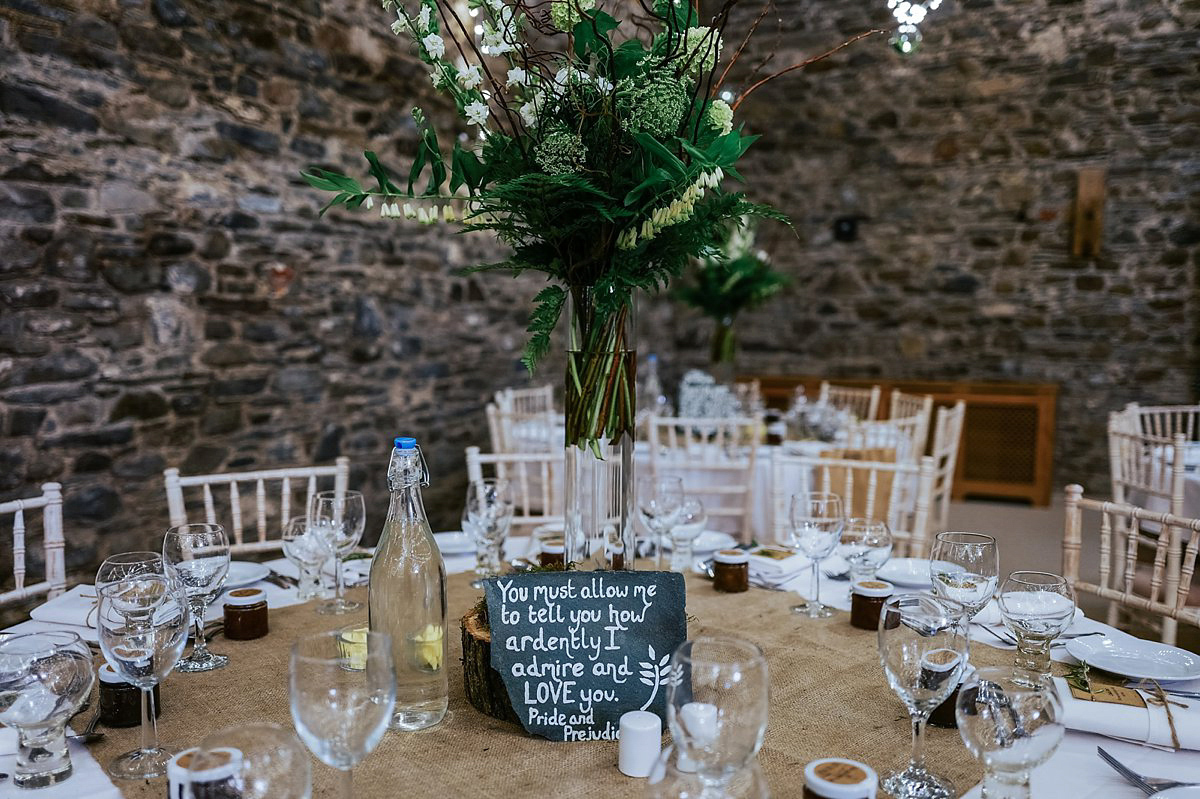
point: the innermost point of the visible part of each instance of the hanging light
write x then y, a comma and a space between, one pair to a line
909, 14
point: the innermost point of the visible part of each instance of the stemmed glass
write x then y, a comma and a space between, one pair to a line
923, 648
1037, 607
717, 697
272, 764
309, 551
965, 567
692, 518
342, 520
342, 696
660, 500
127, 564
44, 678
1010, 726
142, 623
866, 544
816, 526
487, 518
668, 781
197, 555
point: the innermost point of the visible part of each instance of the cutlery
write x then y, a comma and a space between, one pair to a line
88, 734
282, 580
1142, 686
213, 630
835, 575
1148, 785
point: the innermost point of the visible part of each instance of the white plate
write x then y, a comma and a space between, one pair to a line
710, 541
454, 543
908, 572
244, 572
1182, 792
1141, 660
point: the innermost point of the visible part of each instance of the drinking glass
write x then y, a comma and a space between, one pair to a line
197, 555
816, 526
44, 678
692, 518
668, 781
866, 544
342, 695
309, 551
142, 623
342, 520
965, 567
660, 500
1037, 607
270, 762
923, 649
717, 697
487, 518
1010, 726
126, 564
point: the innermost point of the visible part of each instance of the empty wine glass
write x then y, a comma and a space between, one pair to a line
816, 526
668, 781
1011, 727
309, 551
342, 697
197, 555
142, 624
126, 564
271, 763
717, 697
44, 678
923, 648
1037, 607
660, 500
341, 518
487, 518
692, 518
866, 544
965, 567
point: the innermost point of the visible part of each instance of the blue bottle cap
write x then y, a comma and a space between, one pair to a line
404, 442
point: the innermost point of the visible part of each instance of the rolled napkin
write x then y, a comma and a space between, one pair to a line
776, 561
1144, 722
990, 615
76, 607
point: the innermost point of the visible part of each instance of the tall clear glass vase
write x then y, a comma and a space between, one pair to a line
600, 407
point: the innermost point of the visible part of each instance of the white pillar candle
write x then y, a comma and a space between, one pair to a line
699, 720
640, 743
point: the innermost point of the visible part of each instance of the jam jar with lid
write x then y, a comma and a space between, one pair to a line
838, 778
121, 702
866, 602
246, 614
553, 553
731, 571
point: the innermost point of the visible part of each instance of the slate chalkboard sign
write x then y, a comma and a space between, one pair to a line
578, 649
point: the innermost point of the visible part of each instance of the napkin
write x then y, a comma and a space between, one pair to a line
87, 778
990, 615
775, 561
1145, 725
76, 607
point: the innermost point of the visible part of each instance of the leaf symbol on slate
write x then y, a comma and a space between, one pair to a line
675, 675
653, 674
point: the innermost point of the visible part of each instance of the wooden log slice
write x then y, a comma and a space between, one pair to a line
484, 685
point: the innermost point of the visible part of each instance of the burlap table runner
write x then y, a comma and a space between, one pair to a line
828, 697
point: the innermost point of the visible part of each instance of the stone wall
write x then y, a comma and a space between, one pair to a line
168, 295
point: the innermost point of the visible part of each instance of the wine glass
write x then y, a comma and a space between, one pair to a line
126, 564
1010, 726
197, 555
660, 500
271, 762
341, 518
965, 567
866, 544
717, 697
816, 525
692, 518
1037, 607
342, 696
142, 623
668, 781
44, 678
923, 649
487, 518
309, 551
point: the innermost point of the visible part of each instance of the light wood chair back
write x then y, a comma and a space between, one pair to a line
262, 506
1121, 533
862, 402
947, 438
871, 488
524, 420
539, 399
905, 437
1166, 421
535, 481
715, 459
50, 504
906, 406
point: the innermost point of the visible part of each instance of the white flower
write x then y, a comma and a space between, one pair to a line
516, 75
400, 26
435, 78
423, 18
495, 41
496, 5
529, 113
409, 213
720, 116
603, 84
369, 202
476, 113
471, 77
448, 213
434, 45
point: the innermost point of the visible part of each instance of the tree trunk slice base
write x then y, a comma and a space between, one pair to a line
484, 685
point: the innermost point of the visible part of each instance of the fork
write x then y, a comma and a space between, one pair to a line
1148, 785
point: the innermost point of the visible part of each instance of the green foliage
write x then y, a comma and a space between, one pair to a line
733, 278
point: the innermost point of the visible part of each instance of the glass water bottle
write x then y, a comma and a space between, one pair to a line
407, 594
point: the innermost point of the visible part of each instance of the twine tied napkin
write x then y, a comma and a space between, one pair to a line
1130, 715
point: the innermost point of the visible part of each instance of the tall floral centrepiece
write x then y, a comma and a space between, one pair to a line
600, 155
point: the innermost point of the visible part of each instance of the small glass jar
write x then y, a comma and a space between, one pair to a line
246, 614
120, 702
616, 557
866, 602
943, 715
552, 554
838, 778
731, 571
219, 781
